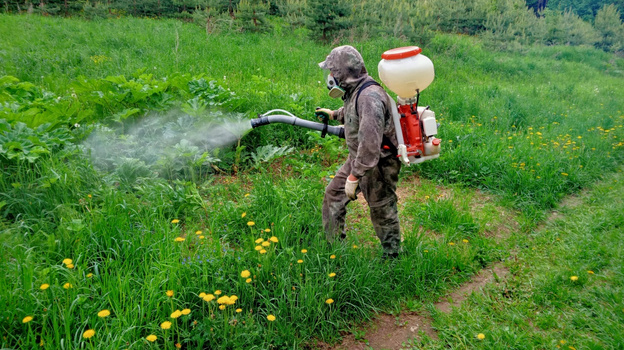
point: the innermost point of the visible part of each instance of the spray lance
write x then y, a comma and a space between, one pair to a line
406, 72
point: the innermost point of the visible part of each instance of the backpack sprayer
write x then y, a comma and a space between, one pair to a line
405, 72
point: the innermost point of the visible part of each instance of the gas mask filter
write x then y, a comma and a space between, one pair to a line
335, 91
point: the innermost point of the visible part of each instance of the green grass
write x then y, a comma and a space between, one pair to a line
565, 289
527, 128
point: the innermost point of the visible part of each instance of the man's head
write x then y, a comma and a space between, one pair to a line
346, 66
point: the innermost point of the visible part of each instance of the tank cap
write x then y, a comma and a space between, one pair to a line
401, 52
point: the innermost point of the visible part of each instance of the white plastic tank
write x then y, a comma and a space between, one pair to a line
406, 71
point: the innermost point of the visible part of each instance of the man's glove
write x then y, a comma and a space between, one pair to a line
324, 114
351, 187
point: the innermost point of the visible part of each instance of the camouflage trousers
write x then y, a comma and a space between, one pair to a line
378, 186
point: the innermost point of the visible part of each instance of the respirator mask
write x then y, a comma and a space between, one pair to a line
335, 91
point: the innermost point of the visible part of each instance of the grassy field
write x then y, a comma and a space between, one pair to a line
155, 233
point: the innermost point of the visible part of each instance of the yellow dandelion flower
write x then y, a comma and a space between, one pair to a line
88, 333
223, 300
271, 318
574, 278
465, 241
70, 266
259, 240
178, 345
175, 221
165, 325
245, 274
299, 261
248, 280
564, 174
239, 311
201, 237
258, 247
179, 239
266, 243
329, 301
169, 293
198, 232
27, 319
333, 274
209, 297
44, 286
304, 251
68, 285
221, 307
332, 256
263, 251
451, 243
480, 336
152, 338
243, 215
217, 292
186, 311
354, 246
250, 223
273, 239
89, 275
590, 272
104, 313
176, 314
202, 295
246, 194
67, 261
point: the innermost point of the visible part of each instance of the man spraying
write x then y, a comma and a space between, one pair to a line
372, 166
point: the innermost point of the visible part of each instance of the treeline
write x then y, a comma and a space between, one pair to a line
503, 23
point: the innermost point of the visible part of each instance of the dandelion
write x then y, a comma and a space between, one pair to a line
263, 251
70, 266
178, 345
574, 278
564, 174
451, 243
201, 237
44, 286
89, 275
221, 307
223, 300
152, 338
243, 215
176, 314
273, 239
271, 318
332, 256
329, 301
233, 299
179, 239
239, 311
259, 240
186, 312
169, 293
480, 336
333, 274
258, 247
198, 232
202, 295
299, 261
175, 221
217, 292
88, 333
465, 241
266, 243
104, 313
267, 230
67, 261
165, 325
209, 298
248, 280
27, 319
354, 246
245, 274
304, 251
590, 272
68, 285
246, 194
250, 223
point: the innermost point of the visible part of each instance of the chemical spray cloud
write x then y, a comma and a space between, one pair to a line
171, 140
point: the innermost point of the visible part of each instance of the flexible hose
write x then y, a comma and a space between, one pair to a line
292, 120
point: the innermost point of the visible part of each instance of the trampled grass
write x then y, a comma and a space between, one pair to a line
530, 127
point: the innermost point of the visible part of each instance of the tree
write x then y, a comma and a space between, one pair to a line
251, 14
609, 25
325, 18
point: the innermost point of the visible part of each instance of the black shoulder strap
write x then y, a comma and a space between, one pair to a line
385, 142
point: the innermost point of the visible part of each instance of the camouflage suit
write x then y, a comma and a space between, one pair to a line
376, 167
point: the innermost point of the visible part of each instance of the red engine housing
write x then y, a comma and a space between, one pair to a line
412, 130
